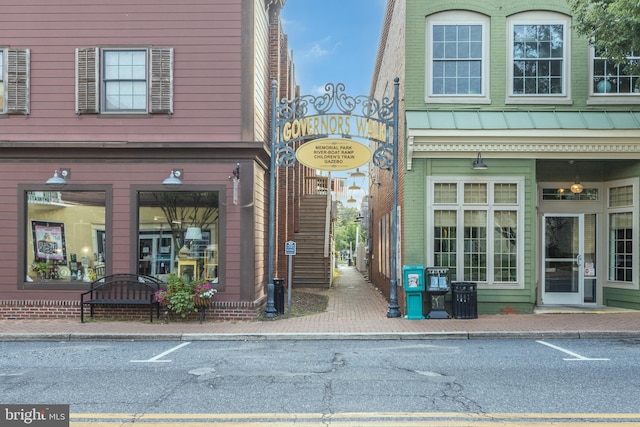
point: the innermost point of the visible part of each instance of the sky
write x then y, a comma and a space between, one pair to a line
334, 41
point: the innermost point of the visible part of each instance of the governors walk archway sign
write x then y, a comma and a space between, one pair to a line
331, 124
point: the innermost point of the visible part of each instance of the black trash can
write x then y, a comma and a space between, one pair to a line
464, 300
278, 295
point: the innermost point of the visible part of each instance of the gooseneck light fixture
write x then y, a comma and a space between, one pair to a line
174, 179
59, 178
478, 164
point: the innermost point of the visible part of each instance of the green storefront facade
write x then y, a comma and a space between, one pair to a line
553, 218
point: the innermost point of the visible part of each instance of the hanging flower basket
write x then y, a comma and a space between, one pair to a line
200, 302
184, 298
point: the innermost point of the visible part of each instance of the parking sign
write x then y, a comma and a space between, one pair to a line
290, 248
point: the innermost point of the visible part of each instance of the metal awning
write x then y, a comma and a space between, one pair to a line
503, 120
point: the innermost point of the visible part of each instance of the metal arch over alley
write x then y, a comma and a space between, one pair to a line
339, 118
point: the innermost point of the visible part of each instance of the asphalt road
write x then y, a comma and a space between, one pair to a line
390, 382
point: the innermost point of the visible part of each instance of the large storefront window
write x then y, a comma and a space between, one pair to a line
621, 233
178, 232
67, 236
489, 216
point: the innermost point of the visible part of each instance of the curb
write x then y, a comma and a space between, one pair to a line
460, 335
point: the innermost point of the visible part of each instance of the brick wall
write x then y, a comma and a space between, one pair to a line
51, 309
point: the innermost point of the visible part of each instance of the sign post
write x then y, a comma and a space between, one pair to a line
290, 251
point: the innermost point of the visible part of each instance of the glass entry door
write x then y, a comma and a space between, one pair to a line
563, 246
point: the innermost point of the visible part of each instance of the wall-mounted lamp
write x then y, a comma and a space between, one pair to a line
478, 164
175, 179
59, 178
236, 179
236, 172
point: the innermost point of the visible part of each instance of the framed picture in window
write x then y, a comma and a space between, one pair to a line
188, 269
49, 241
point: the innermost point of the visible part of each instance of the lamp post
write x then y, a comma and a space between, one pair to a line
270, 311
394, 308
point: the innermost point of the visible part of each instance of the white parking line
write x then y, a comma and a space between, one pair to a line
570, 353
156, 359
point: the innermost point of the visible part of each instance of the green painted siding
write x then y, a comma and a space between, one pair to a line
498, 11
625, 298
415, 234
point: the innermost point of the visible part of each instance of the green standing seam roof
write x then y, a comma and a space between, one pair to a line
486, 120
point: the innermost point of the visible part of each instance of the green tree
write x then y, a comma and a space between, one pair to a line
346, 228
612, 26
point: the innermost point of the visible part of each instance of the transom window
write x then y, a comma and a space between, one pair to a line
477, 229
612, 79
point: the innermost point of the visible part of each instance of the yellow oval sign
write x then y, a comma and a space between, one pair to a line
333, 154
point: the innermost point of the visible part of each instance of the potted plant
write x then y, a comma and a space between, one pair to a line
184, 298
42, 268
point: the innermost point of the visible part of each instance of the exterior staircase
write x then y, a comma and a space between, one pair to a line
311, 268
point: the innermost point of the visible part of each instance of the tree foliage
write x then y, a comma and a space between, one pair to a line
347, 228
612, 26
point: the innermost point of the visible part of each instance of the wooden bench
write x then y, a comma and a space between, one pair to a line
122, 289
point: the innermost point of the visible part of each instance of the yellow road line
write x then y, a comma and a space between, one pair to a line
355, 419
347, 415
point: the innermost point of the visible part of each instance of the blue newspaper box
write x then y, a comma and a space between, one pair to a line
413, 288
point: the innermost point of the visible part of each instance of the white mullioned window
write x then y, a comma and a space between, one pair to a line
622, 212
609, 79
457, 57
476, 229
538, 53
124, 80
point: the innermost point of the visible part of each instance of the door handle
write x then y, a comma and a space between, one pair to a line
579, 260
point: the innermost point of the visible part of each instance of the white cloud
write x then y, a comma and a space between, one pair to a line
316, 51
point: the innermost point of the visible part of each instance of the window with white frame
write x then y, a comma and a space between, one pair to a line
127, 80
477, 229
613, 79
457, 57
623, 231
538, 57
15, 81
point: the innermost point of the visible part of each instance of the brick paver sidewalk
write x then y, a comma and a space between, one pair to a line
355, 308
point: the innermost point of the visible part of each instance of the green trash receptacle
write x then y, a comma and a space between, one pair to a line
464, 300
